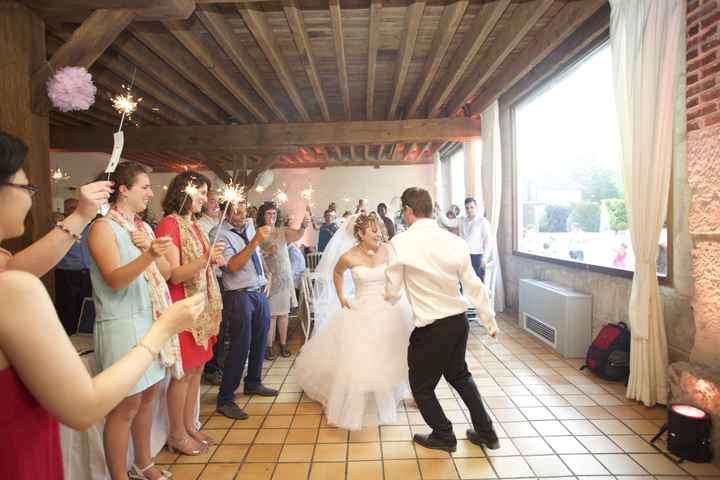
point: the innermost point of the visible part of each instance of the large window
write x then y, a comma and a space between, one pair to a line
569, 195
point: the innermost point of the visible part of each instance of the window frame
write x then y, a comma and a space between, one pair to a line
510, 114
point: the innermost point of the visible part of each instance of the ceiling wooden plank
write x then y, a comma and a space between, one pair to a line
83, 47
213, 63
144, 59
79, 10
175, 55
413, 16
235, 137
566, 25
302, 43
375, 14
523, 19
372, 162
222, 32
339, 44
123, 71
474, 38
260, 29
449, 23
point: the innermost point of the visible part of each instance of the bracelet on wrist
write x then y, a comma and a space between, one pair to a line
153, 353
75, 236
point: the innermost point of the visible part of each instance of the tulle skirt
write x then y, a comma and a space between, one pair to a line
356, 366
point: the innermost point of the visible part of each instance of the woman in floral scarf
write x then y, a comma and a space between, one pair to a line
128, 269
188, 259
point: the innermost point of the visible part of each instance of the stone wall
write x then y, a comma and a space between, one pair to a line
611, 293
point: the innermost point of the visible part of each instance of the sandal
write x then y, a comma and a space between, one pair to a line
284, 351
183, 448
269, 354
204, 438
137, 473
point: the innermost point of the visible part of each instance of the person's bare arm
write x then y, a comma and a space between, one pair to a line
340, 267
241, 258
42, 256
34, 343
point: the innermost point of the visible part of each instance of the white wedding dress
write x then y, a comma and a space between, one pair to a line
356, 366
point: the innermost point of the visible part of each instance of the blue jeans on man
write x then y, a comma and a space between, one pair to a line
248, 315
476, 261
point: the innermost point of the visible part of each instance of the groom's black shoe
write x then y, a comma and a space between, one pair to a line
488, 438
436, 443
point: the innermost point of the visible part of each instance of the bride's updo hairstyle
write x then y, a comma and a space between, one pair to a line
363, 222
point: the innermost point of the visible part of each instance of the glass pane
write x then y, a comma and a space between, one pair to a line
570, 199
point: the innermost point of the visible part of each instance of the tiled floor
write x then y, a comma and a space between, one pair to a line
553, 420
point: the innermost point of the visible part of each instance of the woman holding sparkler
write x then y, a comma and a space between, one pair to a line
128, 272
189, 257
282, 293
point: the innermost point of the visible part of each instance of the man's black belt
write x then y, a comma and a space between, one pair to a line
247, 289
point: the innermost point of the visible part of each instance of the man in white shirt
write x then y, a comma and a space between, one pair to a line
430, 263
475, 230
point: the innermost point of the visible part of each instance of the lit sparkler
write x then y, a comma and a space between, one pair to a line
307, 196
234, 194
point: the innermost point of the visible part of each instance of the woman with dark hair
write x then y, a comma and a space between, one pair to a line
42, 256
188, 258
128, 272
42, 379
282, 292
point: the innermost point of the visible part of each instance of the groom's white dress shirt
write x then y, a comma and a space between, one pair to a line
429, 262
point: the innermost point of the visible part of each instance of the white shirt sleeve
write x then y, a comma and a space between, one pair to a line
447, 222
474, 289
393, 276
486, 239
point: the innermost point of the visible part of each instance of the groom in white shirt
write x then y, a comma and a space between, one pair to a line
430, 263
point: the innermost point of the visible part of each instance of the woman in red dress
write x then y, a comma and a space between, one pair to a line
188, 260
42, 379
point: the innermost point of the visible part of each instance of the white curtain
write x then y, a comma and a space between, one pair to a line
472, 170
437, 178
445, 200
491, 173
645, 36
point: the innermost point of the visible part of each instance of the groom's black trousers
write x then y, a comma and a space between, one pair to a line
439, 350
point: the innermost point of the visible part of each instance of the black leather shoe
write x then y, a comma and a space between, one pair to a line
231, 410
488, 438
431, 441
263, 391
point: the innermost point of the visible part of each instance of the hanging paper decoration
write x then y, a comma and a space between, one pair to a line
71, 89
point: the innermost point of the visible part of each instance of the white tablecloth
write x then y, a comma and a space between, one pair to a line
83, 454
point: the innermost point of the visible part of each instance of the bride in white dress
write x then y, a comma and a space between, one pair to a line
356, 364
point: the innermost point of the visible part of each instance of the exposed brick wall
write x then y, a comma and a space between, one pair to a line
703, 64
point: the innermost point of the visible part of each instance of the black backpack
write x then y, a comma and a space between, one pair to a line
609, 354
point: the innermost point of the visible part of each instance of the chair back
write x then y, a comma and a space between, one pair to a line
312, 260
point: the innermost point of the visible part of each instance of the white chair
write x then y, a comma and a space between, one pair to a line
312, 285
312, 260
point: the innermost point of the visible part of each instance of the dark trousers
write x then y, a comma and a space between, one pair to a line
439, 350
71, 288
476, 261
248, 315
220, 349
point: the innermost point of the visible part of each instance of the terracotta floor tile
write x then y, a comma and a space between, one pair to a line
475, 468
364, 471
301, 435
327, 471
291, 471
438, 469
370, 434
306, 421
263, 453
229, 453
271, 435
283, 409
401, 470
333, 435
398, 450
237, 436
296, 453
364, 451
186, 472
256, 471
330, 452
277, 421
219, 471
253, 422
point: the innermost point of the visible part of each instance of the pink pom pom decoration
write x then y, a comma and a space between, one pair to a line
71, 88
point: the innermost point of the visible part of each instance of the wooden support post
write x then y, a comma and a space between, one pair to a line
22, 50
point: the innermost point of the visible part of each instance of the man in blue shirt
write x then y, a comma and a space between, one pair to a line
72, 278
245, 308
327, 230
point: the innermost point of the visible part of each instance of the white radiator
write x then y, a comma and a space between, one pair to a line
558, 316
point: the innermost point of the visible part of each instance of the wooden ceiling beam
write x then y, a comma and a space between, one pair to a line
117, 71
213, 165
258, 25
237, 137
213, 63
413, 16
176, 55
339, 44
146, 60
375, 14
83, 47
372, 162
302, 43
523, 19
578, 24
223, 33
79, 10
484, 23
449, 23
